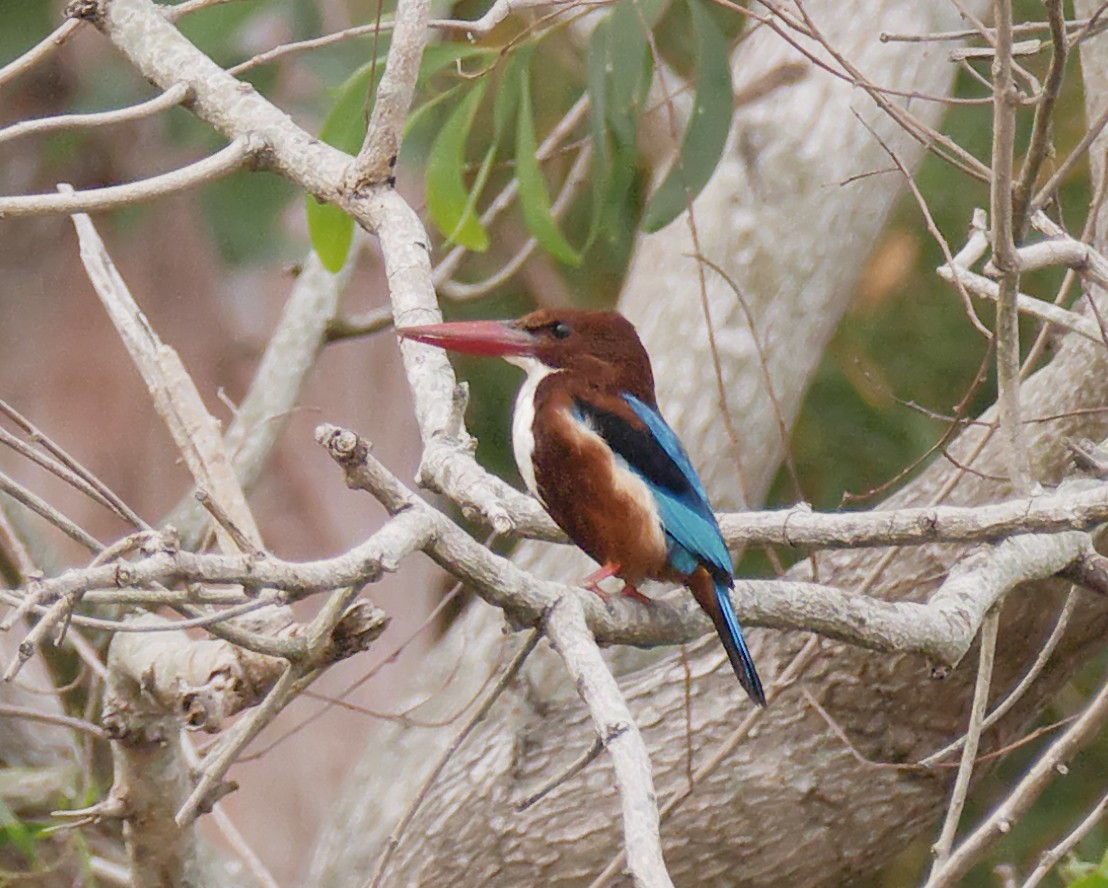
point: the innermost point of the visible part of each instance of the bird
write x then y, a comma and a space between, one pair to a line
593, 448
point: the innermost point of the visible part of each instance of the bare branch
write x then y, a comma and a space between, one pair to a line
376, 160
1005, 100
39, 51
1051, 763
225, 161
175, 397
100, 491
1039, 145
52, 718
1055, 853
1079, 504
986, 654
172, 97
565, 624
44, 510
509, 674
1025, 683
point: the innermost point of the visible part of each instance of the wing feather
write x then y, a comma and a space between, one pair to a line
651, 449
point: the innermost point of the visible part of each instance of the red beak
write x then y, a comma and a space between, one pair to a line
488, 338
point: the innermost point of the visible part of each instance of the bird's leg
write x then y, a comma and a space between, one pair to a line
592, 581
632, 592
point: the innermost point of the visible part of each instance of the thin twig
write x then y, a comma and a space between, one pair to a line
224, 162
1039, 145
1025, 683
114, 500
59, 470
589, 756
986, 654
39, 51
172, 97
1050, 857
478, 716
43, 509
1052, 762
1004, 252
217, 763
51, 718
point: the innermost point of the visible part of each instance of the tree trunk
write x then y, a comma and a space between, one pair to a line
792, 804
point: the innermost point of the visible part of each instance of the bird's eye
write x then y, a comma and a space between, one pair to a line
559, 330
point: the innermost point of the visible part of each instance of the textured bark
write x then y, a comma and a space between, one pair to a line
792, 804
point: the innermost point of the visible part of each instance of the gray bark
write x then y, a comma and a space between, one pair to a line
792, 805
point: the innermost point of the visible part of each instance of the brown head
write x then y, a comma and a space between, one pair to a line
601, 346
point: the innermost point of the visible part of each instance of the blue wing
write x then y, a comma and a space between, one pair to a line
655, 454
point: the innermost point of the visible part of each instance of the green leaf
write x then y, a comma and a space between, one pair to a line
507, 95
705, 136
1091, 880
628, 63
619, 71
451, 204
329, 228
534, 200
14, 831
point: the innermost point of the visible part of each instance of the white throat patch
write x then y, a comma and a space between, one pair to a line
523, 418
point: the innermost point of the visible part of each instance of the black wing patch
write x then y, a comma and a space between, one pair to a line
637, 446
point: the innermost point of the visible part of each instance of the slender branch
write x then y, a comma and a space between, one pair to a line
1052, 762
44, 510
509, 674
271, 55
939, 36
565, 624
225, 161
172, 97
377, 158
986, 655
356, 326
39, 51
1025, 683
501, 9
1002, 216
103, 491
51, 718
59, 470
1049, 858
1039, 145
217, 762
172, 390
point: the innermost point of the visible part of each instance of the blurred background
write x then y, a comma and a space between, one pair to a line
212, 269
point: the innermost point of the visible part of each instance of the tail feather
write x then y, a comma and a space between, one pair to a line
713, 596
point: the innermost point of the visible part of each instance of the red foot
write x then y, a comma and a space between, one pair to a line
631, 592
592, 581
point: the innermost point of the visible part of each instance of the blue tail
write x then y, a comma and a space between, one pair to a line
731, 634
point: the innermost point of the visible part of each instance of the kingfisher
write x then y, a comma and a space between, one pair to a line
593, 448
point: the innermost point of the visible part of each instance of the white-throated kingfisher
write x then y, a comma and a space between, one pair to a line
593, 448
